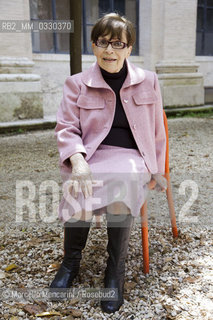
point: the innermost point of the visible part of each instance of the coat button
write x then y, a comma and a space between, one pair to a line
125, 100
134, 126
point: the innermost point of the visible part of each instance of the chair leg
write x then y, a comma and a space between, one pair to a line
144, 224
171, 207
145, 237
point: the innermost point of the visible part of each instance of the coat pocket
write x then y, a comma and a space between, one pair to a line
85, 102
146, 97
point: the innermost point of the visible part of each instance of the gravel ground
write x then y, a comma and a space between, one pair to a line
179, 285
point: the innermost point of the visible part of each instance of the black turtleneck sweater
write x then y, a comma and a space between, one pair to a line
120, 134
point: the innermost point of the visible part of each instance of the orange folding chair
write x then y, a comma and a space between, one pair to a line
144, 216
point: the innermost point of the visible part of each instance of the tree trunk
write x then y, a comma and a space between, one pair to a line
75, 37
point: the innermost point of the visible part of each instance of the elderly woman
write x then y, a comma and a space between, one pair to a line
111, 140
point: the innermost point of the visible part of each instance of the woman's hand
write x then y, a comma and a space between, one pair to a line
81, 176
157, 182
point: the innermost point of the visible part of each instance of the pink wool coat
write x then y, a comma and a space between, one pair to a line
87, 110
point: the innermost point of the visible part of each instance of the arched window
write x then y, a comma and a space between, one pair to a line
91, 11
204, 45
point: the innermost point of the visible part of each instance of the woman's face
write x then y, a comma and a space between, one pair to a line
109, 59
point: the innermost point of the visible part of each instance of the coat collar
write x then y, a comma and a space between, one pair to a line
93, 77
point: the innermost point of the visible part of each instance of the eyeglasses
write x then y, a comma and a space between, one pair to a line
103, 43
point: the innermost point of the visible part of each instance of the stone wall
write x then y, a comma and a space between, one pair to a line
168, 45
20, 89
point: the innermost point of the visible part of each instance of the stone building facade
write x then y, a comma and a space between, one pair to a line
31, 82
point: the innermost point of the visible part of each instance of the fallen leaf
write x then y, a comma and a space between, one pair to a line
135, 277
74, 301
53, 267
130, 285
11, 267
76, 313
48, 313
190, 279
42, 305
33, 308
35, 241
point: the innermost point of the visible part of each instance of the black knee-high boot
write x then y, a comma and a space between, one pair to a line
75, 238
118, 240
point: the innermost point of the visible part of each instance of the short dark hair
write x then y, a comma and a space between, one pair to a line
113, 24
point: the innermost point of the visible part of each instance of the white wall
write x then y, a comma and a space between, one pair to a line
15, 44
206, 68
